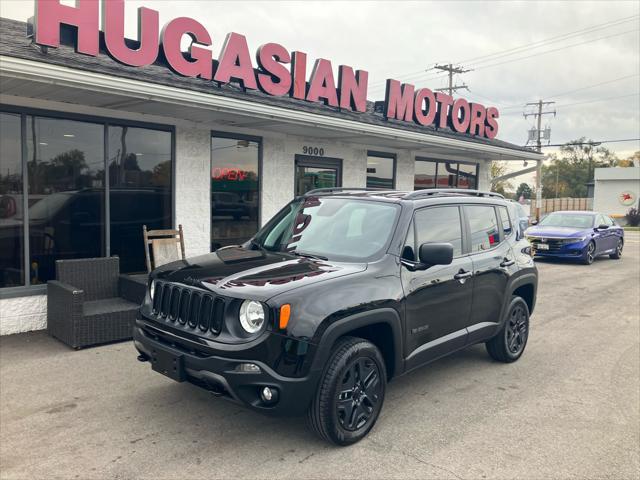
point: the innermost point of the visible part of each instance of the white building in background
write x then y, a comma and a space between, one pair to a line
616, 190
93, 148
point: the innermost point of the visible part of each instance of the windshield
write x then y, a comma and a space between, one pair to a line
571, 220
340, 229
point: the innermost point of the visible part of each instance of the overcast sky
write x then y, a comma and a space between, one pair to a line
394, 39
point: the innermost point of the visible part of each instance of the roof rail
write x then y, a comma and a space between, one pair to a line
316, 191
455, 191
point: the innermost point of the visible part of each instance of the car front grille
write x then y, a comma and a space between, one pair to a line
188, 307
555, 244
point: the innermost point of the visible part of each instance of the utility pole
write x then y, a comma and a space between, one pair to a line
540, 104
451, 70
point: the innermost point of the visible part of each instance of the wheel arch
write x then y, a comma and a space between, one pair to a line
382, 327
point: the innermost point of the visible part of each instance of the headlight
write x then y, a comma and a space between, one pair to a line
580, 239
251, 316
152, 288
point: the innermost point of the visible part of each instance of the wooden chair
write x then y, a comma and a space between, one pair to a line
162, 246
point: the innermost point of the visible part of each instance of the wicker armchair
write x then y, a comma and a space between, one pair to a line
84, 307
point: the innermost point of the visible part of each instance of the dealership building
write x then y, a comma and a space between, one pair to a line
93, 147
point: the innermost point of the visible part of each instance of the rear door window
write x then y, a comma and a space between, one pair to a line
506, 223
483, 226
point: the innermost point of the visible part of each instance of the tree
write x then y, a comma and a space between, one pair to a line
524, 190
630, 161
569, 171
497, 170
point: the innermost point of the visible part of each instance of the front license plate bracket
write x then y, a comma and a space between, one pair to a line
168, 364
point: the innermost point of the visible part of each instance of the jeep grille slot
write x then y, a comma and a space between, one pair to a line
189, 307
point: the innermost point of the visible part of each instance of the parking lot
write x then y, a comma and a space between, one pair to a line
569, 408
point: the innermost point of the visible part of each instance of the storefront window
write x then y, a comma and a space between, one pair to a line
380, 170
425, 175
235, 194
11, 198
63, 164
139, 190
445, 174
65, 173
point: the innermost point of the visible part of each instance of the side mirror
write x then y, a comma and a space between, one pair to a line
436, 254
602, 227
534, 222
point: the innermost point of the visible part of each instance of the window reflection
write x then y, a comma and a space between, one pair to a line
11, 199
445, 174
234, 190
380, 171
65, 172
139, 190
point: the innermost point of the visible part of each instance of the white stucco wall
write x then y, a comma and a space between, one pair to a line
610, 184
192, 199
23, 314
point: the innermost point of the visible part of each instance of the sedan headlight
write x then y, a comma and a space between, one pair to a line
251, 316
580, 239
152, 288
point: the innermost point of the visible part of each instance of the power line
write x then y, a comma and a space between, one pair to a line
592, 142
536, 44
450, 69
556, 49
556, 39
517, 106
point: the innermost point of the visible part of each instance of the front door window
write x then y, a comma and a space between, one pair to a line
312, 173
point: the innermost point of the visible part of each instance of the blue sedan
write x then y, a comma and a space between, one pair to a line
576, 235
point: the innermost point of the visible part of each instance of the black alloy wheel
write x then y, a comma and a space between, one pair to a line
618, 253
509, 343
517, 329
351, 392
589, 254
358, 394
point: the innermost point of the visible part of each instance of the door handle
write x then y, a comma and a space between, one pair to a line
462, 275
507, 262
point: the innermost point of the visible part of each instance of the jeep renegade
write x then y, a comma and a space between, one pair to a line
343, 290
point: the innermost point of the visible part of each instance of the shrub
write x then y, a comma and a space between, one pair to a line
633, 217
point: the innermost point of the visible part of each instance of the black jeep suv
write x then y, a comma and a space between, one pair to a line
343, 290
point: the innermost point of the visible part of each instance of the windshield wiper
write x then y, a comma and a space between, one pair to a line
308, 255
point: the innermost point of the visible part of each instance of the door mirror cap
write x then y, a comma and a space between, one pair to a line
436, 254
602, 227
534, 222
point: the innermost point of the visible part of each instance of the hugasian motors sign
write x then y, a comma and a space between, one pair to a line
276, 71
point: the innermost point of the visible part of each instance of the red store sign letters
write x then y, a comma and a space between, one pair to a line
278, 73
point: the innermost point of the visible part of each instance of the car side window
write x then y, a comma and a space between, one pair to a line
408, 251
483, 227
600, 220
506, 222
608, 220
439, 225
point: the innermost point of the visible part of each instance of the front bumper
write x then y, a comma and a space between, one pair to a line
567, 250
218, 374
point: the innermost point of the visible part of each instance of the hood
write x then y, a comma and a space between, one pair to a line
560, 232
242, 273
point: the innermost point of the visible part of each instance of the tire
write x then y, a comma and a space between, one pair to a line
343, 391
589, 254
501, 347
618, 254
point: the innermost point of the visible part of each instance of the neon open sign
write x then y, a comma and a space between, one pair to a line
231, 174
277, 72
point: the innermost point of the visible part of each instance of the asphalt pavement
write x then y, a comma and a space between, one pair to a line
569, 408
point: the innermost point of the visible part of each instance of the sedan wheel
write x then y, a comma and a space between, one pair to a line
618, 253
589, 254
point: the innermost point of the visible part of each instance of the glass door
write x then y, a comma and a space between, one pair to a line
317, 172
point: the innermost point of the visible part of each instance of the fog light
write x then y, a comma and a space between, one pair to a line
267, 394
248, 368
